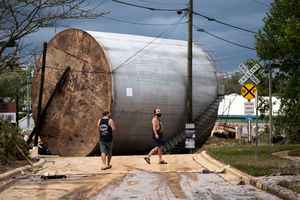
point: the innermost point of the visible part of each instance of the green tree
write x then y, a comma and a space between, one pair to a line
231, 83
11, 83
278, 44
14, 85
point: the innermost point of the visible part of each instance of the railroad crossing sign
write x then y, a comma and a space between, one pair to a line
249, 74
248, 91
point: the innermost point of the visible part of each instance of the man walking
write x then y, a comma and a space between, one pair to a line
157, 135
106, 127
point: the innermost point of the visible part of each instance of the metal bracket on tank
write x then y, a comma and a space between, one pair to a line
58, 88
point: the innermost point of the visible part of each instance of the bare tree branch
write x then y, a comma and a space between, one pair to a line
19, 18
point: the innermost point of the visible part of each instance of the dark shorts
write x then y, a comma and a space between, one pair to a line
159, 142
106, 147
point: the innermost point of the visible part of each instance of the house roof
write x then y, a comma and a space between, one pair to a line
7, 107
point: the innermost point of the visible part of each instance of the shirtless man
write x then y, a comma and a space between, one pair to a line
157, 135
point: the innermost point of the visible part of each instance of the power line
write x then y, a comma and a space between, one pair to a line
140, 23
166, 31
100, 4
179, 10
262, 3
224, 58
148, 8
224, 23
230, 42
225, 40
148, 44
78, 71
163, 3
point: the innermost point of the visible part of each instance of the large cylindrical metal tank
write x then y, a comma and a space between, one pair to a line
127, 74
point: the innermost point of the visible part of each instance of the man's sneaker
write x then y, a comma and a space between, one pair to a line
147, 159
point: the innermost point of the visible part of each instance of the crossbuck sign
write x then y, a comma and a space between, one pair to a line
249, 74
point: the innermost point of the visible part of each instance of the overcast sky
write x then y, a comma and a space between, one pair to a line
248, 14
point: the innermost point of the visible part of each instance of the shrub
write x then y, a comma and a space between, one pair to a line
10, 138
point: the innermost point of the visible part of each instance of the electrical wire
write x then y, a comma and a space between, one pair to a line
139, 23
225, 40
185, 9
100, 4
163, 3
224, 23
148, 8
262, 3
231, 42
147, 45
78, 71
218, 59
167, 31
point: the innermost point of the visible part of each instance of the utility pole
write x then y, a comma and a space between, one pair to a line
27, 97
189, 101
189, 126
256, 125
270, 104
39, 108
17, 108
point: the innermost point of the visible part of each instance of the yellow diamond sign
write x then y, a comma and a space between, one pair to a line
248, 91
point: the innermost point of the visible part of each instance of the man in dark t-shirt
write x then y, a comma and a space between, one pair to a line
106, 127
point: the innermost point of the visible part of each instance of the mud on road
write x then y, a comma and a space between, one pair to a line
130, 178
177, 186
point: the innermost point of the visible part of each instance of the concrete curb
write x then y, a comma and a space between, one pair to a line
19, 170
273, 189
243, 176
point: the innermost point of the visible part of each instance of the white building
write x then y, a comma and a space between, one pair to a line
231, 116
26, 123
233, 106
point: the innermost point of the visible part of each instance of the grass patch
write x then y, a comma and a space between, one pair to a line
243, 158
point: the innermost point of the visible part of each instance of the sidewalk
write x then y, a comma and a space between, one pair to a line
284, 154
